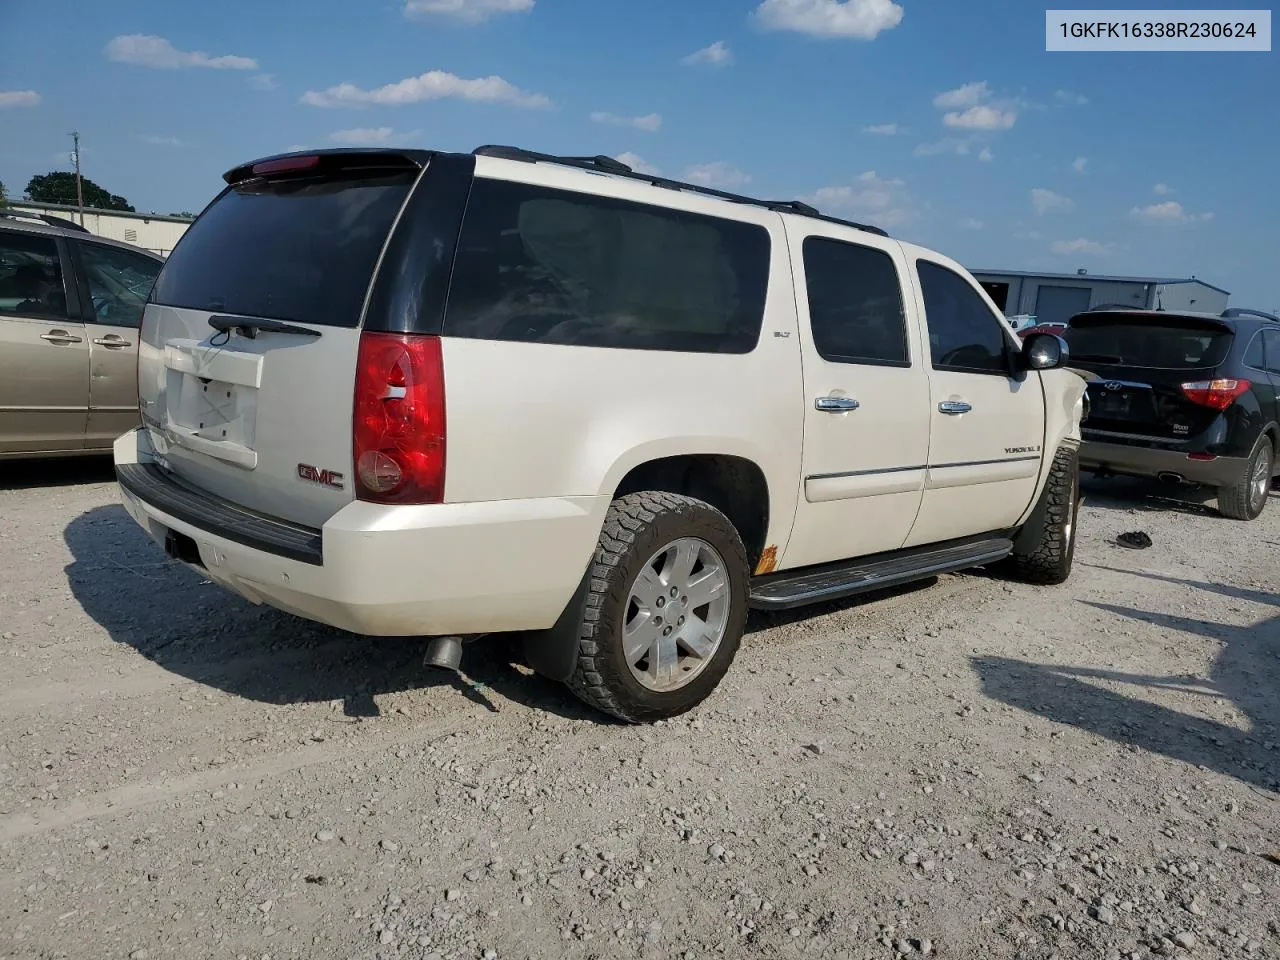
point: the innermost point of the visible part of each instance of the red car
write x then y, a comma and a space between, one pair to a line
1057, 329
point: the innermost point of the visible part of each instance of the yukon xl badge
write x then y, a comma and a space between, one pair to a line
325, 478
1035, 449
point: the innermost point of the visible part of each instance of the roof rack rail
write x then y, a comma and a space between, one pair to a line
1246, 312
44, 217
605, 164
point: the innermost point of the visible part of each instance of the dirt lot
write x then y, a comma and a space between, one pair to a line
969, 769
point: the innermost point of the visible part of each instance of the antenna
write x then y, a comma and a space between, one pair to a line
75, 139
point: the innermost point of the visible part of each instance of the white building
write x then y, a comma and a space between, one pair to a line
150, 231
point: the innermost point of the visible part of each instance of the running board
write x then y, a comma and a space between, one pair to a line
831, 581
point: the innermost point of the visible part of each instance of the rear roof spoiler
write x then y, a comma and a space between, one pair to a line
1166, 318
327, 161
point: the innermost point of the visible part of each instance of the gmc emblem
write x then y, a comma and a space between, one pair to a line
326, 478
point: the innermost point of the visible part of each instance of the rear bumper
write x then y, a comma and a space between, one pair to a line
461, 568
1136, 461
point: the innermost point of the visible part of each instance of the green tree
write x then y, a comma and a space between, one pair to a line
4, 197
59, 186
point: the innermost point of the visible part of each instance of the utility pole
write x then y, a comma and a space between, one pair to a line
75, 139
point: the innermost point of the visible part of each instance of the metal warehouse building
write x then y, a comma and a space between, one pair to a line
151, 231
1056, 297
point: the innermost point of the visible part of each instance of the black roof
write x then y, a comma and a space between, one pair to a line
358, 156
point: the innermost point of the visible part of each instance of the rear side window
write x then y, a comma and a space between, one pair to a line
299, 248
964, 335
855, 303
1163, 345
538, 265
31, 277
1253, 356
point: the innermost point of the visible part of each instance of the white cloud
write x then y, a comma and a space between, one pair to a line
717, 55
263, 81
972, 224
718, 174
1068, 248
362, 135
435, 85
981, 117
464, 11
1044, 201
18, 98
986, 156
856, 19
1162, 189
1066, 96
158, 141
869, 197
1170, 211
649, 122
970, 95
145, 50
1079, 163
638, 164
884, 129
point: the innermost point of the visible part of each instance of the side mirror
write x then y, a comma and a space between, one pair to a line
1045, 351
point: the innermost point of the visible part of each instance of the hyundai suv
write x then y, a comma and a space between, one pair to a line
1183, 397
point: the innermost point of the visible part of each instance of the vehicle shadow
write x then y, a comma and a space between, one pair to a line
1128, 493
56, 472
195, 629
1246, 673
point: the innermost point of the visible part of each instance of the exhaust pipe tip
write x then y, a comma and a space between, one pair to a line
1169, 477
444, 653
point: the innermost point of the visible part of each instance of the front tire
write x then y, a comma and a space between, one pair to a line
665, 609
1246, 498
1048, 559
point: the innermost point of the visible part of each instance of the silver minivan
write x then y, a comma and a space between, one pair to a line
70, 306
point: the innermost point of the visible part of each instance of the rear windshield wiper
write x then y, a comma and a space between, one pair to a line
247, 327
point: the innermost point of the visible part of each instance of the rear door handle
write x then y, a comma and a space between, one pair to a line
954, 407
836, 404
111, 340
60, 336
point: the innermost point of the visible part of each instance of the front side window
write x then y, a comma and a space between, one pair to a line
964, 335
537, 265
1273, 350
855, 303
31, 277
119, 283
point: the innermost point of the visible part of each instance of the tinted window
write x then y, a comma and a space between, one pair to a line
1273, 351
31, 277
964, 334
299, 248
119, 282
855, 303
1253, 356
1164, 345
538, 265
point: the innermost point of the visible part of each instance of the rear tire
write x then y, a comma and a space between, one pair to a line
1247, 497
1048, 560
666, 606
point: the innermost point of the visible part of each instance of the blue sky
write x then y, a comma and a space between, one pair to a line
945, 122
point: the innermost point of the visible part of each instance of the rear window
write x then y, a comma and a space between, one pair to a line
1165, 346
300, 249
538, 265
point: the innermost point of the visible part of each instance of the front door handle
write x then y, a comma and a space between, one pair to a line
111, 340
60, 336
836, 404
954, 407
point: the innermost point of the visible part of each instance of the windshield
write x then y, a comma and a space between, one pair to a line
299, 249
1169, 346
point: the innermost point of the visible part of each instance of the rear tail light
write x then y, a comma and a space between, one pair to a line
1215, 394
399, 428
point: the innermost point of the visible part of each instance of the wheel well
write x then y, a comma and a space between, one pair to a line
734, 486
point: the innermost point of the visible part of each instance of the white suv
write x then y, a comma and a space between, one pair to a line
426, 393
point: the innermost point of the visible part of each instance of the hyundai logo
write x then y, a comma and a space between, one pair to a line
1113, 385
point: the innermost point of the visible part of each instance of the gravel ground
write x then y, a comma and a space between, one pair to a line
965, 769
